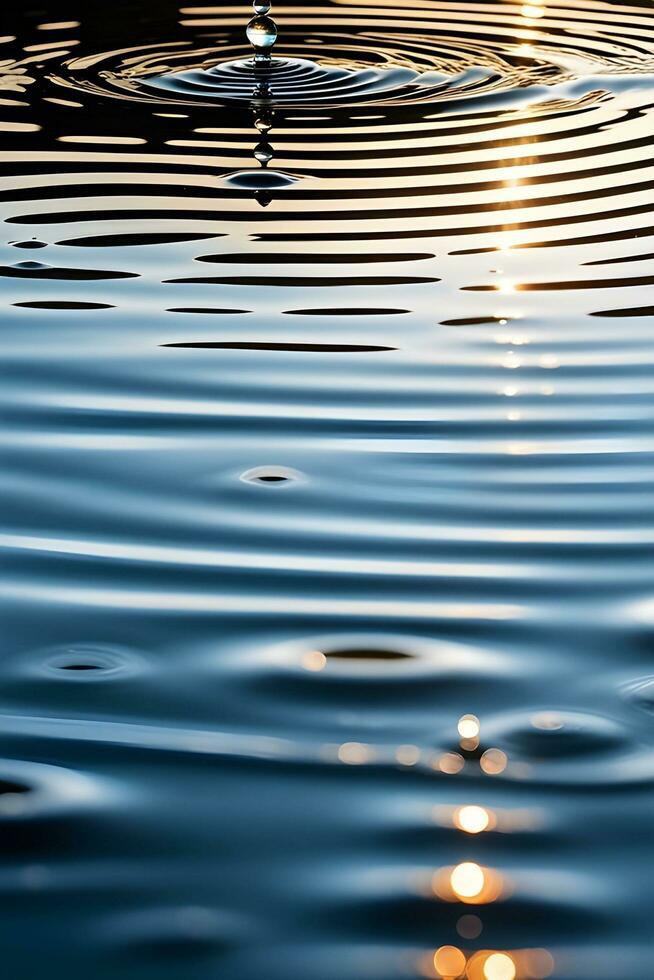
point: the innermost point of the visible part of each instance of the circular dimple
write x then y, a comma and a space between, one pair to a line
176, 930
296, 81
368, 56
565, 747
359, 659
260, 180
274, 476
548, 735
12, 787
367, 655
78, 662
32, 243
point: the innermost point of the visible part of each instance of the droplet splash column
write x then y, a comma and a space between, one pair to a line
262, 34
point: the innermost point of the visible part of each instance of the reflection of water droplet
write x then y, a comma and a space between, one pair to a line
263, 153
264, 122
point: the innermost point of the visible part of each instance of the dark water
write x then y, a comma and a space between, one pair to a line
306, 463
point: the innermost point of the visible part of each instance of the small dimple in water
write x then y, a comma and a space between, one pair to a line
89, 662
367, 655
271, 475
33, 243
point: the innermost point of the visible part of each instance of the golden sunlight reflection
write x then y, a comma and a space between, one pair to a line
499, 966
473, 819
468, 726
493, 762
515, 340
407, 755
452, 963
449, 962
467, 880
449, 762
469, 883
537, 964
507, 241
511, 361
354, 753
62, 25
547, 721
314, 660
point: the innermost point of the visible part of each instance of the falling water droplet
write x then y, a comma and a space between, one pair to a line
262, 7
262, 34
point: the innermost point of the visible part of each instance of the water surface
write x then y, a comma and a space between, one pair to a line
327, 580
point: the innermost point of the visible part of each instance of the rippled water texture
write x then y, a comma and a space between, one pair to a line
328, 511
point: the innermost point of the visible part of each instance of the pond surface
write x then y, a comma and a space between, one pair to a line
328, 514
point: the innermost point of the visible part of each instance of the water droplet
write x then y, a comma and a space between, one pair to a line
261, 7
262, 34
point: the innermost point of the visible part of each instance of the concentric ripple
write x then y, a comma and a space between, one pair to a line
371, 56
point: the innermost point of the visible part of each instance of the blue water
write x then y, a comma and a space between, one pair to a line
327, 492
